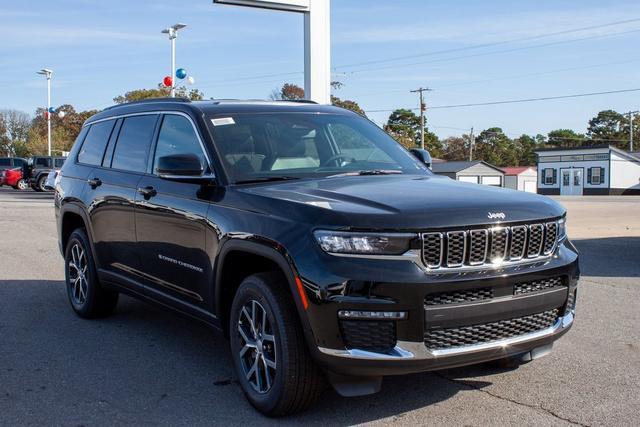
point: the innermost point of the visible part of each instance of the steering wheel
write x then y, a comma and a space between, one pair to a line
336, 157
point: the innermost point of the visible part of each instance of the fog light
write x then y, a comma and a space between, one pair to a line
372, 315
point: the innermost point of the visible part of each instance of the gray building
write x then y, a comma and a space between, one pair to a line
477, 172
594, 170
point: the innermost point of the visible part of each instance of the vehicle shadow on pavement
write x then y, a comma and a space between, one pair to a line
145, 365
609, 256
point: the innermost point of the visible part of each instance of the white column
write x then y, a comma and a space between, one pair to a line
317, 52
49, 113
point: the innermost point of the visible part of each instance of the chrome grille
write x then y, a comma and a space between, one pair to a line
551, 234
456, 248
432, 249
499, 238
488, 246
536, 234
478, 240
518, 242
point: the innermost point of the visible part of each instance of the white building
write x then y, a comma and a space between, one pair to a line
477, 172
594, 170
523, 178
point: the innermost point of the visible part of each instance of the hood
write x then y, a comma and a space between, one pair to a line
398, 202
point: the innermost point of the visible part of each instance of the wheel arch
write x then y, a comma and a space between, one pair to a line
268, 254
72, 217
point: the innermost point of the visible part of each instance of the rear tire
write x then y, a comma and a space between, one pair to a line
270, 355
22, 185
87, 297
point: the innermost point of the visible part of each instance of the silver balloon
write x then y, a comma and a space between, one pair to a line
191, 80
61, 114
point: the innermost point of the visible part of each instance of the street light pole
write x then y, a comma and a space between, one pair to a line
47, 73
173, 34
631, 113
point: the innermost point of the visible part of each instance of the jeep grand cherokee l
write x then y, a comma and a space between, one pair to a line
321, 247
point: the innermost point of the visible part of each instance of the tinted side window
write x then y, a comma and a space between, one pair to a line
177, 136
93, 147
18, 162
59, 163
43, 162
133, 143
5, 162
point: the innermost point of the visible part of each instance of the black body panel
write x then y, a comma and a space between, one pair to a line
168, 240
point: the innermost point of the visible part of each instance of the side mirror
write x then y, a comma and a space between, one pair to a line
182, 167
422, 155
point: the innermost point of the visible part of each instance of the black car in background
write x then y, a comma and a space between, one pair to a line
36, 169
321, 247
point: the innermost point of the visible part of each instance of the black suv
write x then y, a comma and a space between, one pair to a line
36, 169
321, 247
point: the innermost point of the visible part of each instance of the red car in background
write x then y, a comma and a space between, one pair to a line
13, 177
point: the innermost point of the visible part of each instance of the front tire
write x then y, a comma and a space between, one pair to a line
22, 185
40, 184
87, 297
270, 356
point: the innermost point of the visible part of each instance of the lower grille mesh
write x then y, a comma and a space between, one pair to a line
488, 332
537, 285
455, 297
370, 335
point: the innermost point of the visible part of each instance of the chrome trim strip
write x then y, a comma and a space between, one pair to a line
488, 266
411, 350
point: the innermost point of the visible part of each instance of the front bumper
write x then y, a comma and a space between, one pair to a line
411, 353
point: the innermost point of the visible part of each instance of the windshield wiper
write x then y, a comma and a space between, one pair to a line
266, 179
368, 172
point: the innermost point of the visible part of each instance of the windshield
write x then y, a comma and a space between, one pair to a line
264, 146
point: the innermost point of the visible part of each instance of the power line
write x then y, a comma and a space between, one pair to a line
483, 45
514, 101
246, 78
388, 67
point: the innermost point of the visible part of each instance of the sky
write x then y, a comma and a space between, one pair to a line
466, 51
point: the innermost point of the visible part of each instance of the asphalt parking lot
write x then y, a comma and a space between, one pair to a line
145, 366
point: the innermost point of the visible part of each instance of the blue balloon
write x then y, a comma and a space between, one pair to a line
52, 110
181, 73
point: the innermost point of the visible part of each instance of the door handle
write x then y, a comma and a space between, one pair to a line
95, 182
147, 192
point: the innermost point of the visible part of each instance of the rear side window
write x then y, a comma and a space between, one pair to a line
133, 143
18, 162
95, 143
5, 162
59, 163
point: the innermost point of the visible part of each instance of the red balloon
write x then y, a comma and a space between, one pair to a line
46, 114
168, 81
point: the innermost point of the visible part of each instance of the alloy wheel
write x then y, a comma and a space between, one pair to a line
78, 274
258, 346
22, 185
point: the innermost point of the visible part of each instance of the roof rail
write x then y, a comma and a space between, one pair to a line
301, 101
151, 100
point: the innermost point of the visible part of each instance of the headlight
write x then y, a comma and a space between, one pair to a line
339, 242
562, 228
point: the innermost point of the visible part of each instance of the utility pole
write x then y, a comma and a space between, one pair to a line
47, 73
472, 141
423, 107
631, 113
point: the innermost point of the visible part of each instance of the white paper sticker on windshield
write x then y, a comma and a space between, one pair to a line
221, 121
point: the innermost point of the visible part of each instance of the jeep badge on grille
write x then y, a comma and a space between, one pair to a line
496, 215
